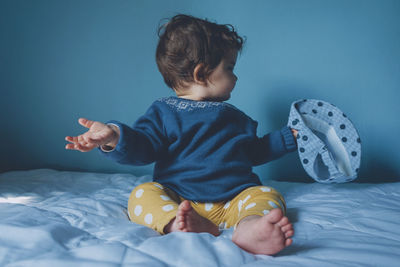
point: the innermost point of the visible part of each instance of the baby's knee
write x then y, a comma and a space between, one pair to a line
139, 196
271, 197
144, 189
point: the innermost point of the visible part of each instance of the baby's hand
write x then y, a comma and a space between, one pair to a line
99, 134
294, 132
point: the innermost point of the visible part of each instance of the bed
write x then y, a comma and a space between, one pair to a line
59, 218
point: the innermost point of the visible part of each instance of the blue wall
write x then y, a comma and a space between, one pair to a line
60, 60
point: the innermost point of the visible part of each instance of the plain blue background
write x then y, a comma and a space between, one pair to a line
61, 60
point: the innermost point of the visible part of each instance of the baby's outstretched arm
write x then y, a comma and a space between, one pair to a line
99, 134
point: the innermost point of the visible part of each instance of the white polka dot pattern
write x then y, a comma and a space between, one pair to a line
240, 204
265, 189
139, 193
148, 205
158, 185
168, 207
247, 198
208, 206
251, 205
272, 204
138, 210
148, 218
227, 204
165, 198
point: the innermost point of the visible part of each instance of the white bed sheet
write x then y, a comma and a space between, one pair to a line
53, 218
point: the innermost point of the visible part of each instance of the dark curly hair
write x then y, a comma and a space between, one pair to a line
186, 41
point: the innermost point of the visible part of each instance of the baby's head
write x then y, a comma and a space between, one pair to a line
190, 49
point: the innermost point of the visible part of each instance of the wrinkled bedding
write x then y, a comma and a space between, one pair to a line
54, 218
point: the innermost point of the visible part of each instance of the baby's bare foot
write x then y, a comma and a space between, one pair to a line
266, 235
188, 220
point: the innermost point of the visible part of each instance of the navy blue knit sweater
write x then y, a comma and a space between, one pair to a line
204, 151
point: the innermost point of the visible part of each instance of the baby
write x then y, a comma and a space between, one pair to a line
203, 148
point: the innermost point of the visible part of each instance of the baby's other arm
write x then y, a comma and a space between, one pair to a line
273, 145
99, 134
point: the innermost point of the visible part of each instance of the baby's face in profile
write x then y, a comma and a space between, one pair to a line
218, 86
222, 80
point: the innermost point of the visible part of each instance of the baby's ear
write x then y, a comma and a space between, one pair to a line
199, 74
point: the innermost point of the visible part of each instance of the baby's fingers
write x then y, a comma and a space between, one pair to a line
71, 139
80, 147
70, 146
79, 143
85, 122
82, 139
76, 139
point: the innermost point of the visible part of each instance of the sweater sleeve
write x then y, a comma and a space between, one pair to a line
141, 144
273, 146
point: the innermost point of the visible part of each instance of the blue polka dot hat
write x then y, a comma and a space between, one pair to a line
328, 144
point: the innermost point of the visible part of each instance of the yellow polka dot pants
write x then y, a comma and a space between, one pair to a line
154, 205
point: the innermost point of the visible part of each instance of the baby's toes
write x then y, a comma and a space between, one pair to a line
274, 217
288, 242
180, 221
284, 221
287, 227
289, 233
